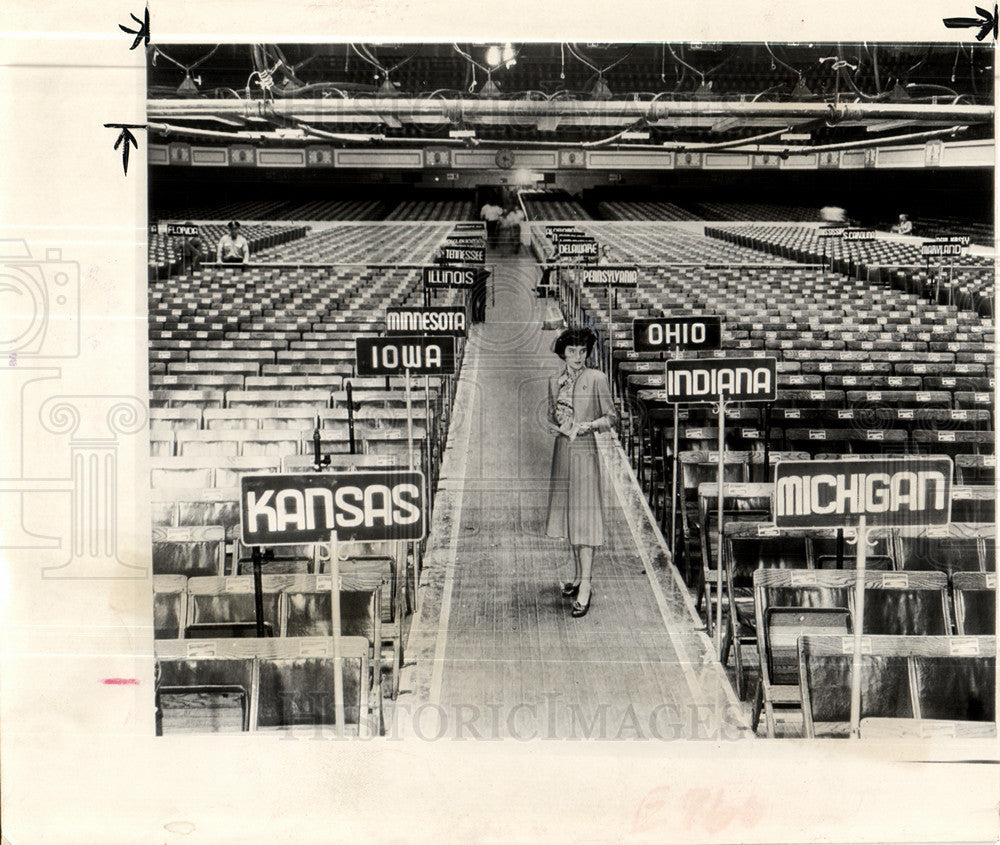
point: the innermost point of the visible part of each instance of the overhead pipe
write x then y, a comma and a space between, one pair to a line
630, 110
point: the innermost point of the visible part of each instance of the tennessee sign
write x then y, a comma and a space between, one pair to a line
469, 255
616, 277
359, 506
666, 334
393, 356
470, 227
732, 379
444, 320
450, 277
886, 491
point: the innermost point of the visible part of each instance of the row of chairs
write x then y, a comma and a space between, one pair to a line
643, 211
272, 684
970, 286
431, 210
923, 686
414, 243
164, 251
294, 605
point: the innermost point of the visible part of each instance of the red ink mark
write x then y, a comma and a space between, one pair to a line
712, 810
652, 810
121, 682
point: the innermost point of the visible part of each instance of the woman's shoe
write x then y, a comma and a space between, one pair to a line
570, 590
580, 609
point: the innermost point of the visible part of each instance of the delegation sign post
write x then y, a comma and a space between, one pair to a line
863, 495
283, 509
405, 355
610, 277
676, 334
718, 381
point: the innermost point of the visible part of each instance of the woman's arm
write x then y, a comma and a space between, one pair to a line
551, 416
608, 415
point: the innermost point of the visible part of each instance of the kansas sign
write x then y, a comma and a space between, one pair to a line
359, 506
886, 491
393, 356
732, 379
667, 334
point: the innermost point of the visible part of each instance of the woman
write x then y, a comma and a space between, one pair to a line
579, 404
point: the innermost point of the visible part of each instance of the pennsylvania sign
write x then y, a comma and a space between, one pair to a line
359, 506
607, 276
887, 491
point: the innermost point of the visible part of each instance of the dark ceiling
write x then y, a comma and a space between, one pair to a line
913, 74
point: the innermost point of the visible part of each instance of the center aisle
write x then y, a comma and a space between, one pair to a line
493, 651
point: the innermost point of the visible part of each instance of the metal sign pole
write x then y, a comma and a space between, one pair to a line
258, 590
409, 421
352, 443
338, 659
859, 616
428, 478
676, 464
611, 343
719, 508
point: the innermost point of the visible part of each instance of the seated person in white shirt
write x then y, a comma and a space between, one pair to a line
233, 248
904, 226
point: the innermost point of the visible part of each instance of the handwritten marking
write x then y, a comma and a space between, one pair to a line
125, 138
121, 682
142, 33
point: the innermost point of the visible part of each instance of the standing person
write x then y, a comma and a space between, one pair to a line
514, 219
579, 404
479, 295
545, 283
193, 251
491, 214
233, 247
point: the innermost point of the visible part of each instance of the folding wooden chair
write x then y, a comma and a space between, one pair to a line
169, 606
296, 683
975, 602
208, 683
789, 604
224, 607
951, 678
190, 551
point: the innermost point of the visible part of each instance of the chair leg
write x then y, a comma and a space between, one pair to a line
758, 700
724, 646
741, 681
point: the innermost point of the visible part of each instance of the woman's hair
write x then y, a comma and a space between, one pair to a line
574, 337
